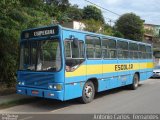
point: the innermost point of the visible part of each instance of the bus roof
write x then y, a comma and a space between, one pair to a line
85, 32
103, 36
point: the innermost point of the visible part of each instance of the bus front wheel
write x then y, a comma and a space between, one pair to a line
88, 92
135, 83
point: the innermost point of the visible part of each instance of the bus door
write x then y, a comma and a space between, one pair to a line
109, 53
134, 60
143, 62
94, 57
75, 64
149, 61
123, 67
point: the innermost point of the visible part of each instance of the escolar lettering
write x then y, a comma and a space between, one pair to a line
123, 67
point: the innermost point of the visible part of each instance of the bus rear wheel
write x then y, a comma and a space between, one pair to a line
88, 92
135, 83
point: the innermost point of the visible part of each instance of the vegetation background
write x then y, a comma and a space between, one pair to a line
17, 15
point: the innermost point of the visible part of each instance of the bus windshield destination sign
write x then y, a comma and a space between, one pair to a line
40, 32
44, 32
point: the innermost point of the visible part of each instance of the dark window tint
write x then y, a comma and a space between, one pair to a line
122, 49
109, 48
74, 51
93, 45
142, 51
74, 54
148, 52
133, 50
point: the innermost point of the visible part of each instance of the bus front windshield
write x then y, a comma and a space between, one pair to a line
41, 55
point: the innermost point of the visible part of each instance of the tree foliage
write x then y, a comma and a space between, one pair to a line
74, 13
131, 26
92, 25
107, 29
15, 17
117, 34
61, 4
92, 12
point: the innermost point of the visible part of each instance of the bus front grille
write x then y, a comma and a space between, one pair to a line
38, 80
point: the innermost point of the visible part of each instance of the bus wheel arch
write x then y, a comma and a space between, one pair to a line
89, 89
138, 75
135, 83
95, 83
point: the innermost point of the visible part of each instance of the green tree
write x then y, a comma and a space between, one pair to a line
117, 34
31, 3
131, 26
92, 12
107, 29
15, 17
61, 4
74, 13
92, 25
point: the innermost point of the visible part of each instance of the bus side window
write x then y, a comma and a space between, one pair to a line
149, 52
109, 49
122, 48
133, 50
93, 47
68, 49
142, 51
74, 54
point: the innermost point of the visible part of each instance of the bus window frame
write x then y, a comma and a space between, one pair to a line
142, 52
94, 47
150, 53
70, 40
127, 58
134, 51
103, 39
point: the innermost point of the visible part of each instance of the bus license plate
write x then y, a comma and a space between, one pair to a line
35, 92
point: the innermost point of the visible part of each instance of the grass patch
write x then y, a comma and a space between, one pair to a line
4, 90
17, 102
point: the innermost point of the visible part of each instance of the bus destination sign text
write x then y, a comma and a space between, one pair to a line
40, 32
43, 33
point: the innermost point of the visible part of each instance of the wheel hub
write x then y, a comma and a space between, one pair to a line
88, 91
136, 82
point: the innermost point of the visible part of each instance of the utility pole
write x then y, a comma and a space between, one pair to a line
110, 21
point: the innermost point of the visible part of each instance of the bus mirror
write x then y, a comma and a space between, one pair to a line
75, 41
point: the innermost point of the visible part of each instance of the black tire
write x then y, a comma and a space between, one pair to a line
135, 83
88, 92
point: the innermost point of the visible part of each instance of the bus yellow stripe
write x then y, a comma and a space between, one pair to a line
107, 68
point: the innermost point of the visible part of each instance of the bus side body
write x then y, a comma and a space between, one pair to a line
106, 72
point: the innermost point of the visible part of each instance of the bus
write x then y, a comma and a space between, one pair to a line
61, 63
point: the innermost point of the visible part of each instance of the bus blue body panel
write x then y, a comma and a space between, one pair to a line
37, 84
105, 71
40, 92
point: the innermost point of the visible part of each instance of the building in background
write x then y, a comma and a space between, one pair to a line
74, 25
152, 32
152, 36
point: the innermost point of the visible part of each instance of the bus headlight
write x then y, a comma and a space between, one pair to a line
21, 83
58, 87
55, 86
50, 86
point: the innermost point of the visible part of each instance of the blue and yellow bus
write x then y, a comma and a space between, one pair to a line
61, 63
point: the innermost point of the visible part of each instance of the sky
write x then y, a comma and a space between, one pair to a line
148, 10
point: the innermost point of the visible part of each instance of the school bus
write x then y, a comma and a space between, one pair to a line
62, 63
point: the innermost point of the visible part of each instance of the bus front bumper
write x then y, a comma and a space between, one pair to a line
40, 93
